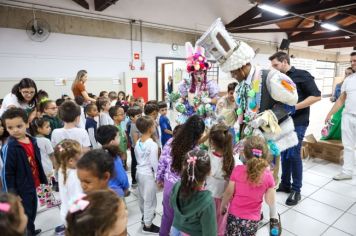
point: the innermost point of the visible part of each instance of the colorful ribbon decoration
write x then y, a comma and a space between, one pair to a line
257, 152
79, 204
5, 207
191, 161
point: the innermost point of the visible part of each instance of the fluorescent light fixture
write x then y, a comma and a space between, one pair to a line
330, 26
273, 10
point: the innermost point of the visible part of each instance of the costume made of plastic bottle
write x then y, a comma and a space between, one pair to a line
196, 92
262, 99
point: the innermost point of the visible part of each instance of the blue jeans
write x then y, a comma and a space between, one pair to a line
292, 165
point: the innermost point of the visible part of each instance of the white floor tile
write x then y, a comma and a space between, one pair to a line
281, 198
328, 170
335, 232
311, 162
352, 210
340, 187
308, 189
333, 199
132, 197
318, 211
314, 179
351, 181
300, 224
346, 223
134, 213
48, 220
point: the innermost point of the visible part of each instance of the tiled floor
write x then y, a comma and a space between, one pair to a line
327, 207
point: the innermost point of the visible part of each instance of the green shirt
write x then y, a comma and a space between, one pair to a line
123, 139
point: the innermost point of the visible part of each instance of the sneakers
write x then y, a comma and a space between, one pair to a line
342, 176
134, 184
53, 203
59, 230
153, 229
293, 198
282, 188
143, 223
275, 228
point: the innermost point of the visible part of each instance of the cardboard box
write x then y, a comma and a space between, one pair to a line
330, 150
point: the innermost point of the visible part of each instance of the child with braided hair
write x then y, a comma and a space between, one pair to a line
248, 185
67, 153
194, 208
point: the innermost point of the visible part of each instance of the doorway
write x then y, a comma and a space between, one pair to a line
177, 68
166, 72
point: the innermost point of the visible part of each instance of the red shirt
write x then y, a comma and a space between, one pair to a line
30, 152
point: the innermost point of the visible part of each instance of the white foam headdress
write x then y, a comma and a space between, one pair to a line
230, 54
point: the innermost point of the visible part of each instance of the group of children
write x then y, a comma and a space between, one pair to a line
205, 192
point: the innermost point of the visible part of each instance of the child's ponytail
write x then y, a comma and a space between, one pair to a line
256, 153
36, 124
195, 170
221, 138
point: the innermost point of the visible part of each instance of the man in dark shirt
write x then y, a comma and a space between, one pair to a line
308, 94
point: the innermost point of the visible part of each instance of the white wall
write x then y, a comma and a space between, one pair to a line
61, 56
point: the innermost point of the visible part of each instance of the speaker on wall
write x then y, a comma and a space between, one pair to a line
284, 44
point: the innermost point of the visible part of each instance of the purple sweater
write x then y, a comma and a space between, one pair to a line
164, 171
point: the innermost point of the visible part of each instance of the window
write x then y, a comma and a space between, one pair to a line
213, 72
325, 73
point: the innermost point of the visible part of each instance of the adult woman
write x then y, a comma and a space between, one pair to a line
78, 86
23, 95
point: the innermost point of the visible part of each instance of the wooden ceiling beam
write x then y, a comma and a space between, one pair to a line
304, 36
332, 20
101, 5
251, 13
82, 3
340, 45
303, 9
331, 41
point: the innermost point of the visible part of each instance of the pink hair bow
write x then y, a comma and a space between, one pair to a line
257, 152
79, 204
60, 148
191, 161
5, 207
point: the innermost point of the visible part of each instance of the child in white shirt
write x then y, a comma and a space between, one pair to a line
146, 152
69, 113
67, 153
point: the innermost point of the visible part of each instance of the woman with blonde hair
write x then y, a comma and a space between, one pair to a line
78, 86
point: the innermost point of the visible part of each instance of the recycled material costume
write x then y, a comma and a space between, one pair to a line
263, 97
197, 95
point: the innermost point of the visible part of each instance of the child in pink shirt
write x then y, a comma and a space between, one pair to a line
247, 186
